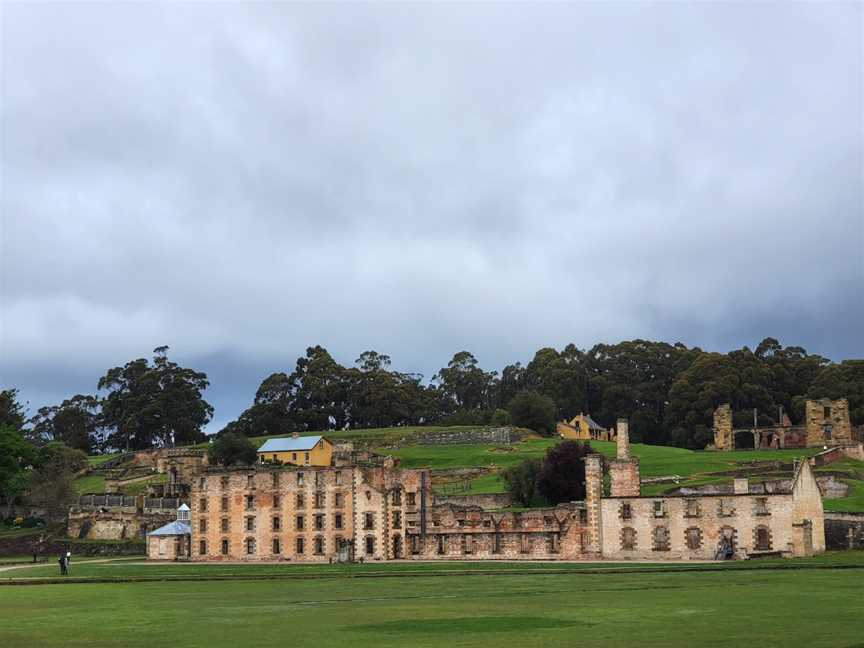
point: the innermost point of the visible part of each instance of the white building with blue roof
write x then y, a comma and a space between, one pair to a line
172, 541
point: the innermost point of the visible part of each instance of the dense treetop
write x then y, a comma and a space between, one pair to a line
668, 391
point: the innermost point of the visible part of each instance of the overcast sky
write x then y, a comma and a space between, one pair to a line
240, 183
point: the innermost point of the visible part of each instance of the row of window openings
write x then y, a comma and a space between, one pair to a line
276, 478
300, 521
300, 501
692, 508
318, 546
250, 545
467, 544
660, 538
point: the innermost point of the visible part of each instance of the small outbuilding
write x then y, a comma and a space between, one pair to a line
299, 451
172, 541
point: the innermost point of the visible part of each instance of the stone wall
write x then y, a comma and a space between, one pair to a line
723, 427
830, 486
116, 524
53, 547
844, 530
485, 501
692, 527
468, 533
659, 528
833, 413
496, 436
854, 451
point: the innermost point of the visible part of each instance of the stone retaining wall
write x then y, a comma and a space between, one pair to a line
496, 436
23, 546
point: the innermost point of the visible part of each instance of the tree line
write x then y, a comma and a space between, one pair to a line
668, 391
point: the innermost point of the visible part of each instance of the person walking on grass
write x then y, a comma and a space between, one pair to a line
62, 562
68, 561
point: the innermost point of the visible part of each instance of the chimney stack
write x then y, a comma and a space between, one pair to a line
623, 438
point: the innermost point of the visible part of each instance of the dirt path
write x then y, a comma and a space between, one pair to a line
71, 565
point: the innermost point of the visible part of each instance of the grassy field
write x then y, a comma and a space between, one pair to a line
93, 483
654, 461
97, 568
731, 608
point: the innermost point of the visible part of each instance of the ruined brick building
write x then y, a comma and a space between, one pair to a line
380, 512
826, 422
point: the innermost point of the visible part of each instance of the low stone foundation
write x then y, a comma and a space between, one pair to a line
486, 501
844, 530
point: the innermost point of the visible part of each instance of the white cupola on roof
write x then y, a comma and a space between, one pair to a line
183, 513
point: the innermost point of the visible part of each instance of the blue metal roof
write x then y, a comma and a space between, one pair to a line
172, 528
290, 444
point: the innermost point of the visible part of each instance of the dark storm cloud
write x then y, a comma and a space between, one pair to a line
242, 182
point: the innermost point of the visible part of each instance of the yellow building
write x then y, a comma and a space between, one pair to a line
583, 428
297, 450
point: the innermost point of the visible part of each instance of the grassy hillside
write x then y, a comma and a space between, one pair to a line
691, 467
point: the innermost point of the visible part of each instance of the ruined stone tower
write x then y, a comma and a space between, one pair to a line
624, 469
723, 427
827, 421
593, 502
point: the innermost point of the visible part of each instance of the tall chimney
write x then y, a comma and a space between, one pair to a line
623, 438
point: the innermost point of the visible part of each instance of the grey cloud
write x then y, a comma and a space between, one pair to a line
240, 182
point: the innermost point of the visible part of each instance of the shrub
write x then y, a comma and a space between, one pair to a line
534, 411
521, 480
562, 476
231, 448
500, 418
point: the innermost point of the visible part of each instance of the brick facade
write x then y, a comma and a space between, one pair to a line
379, 512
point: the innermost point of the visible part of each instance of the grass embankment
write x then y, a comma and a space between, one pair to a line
132, 568
695, 468
733, 608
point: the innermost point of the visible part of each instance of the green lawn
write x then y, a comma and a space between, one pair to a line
93, 483
735, 608
851, 503
98, 460
370, 435
14, 532
654, 461
137, 567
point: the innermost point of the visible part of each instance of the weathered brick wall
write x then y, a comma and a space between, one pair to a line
710, 515
815, 420
692, 527
468, 533
593, 503
723, 427
118, 524
844, 530
319, 505
167, 547
483, 500
830, 486
624, 478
